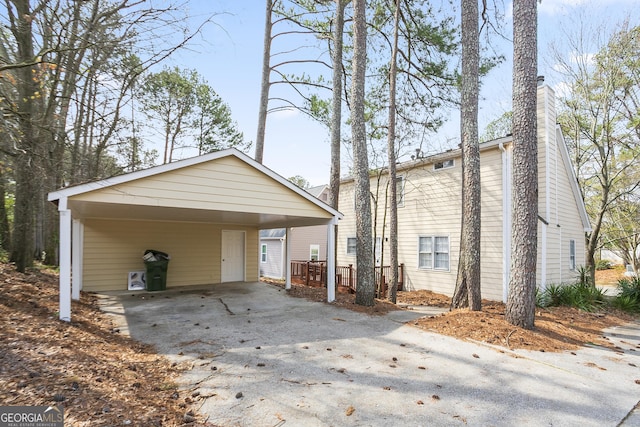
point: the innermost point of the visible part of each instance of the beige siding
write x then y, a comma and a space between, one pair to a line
114, 247
225, 184
432, 206
303, 237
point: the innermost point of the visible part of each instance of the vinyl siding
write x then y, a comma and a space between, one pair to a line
274, 266
225, 184
303, 237
114, 247
432, 207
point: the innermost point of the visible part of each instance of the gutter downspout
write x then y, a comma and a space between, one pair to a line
65, 260
506, 221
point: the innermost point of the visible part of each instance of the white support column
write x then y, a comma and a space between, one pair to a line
331, 260
287, 257
76, 258
65, 260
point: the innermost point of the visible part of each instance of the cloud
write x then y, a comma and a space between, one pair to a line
555, 7
285, 113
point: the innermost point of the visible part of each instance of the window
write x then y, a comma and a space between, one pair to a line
425, 252
444, 165
433, 252
351, 245
572, 255
314, 252
400, 191
263, 253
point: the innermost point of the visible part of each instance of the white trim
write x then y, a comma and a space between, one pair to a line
287, 258
331, 259
65, 260
265, 253
77, 252
506, 220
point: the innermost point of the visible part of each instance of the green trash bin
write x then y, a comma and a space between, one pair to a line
156, 264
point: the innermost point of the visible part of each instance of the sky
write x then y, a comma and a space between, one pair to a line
228, 55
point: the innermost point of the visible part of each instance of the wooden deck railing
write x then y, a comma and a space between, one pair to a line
314, 273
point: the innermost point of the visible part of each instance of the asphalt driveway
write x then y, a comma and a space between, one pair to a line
262, 358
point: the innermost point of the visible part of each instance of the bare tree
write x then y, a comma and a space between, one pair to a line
336, 103
520, 309
467, 292
54, 49
391, 153
599, 117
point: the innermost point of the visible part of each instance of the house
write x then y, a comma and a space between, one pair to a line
205, 212
429, 214
306, 243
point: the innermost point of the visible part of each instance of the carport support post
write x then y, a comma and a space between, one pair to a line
65, 260
76, 258
331, 260
287, 258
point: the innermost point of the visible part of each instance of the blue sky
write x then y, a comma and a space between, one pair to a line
229, 54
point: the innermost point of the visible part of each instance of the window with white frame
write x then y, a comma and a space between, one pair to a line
314, 252
444, 164
263, 253
400, 191
572, 255
433, 252
351, 245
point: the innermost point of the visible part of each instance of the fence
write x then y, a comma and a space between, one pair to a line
314, 273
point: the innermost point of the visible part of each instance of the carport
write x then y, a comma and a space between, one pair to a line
206, 212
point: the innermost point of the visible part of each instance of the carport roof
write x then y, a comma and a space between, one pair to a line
224, 187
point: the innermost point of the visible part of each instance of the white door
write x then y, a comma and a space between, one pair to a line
232, 256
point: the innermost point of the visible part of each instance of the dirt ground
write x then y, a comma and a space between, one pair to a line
101, 377
106, 379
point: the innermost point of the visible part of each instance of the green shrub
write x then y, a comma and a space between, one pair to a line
603, 264
630, 287
626, 303
584, 276
578, 295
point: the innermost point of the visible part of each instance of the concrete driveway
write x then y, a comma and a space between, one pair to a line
262, 358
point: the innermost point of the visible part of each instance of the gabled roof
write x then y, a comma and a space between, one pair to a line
86, 200
317, 190
573, 181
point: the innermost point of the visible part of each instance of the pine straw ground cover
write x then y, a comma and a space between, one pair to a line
99, 376
556, 328
105, 379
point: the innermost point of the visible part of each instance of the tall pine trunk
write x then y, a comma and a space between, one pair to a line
524, 240
365, 285
391, 155
265, 84
467, 292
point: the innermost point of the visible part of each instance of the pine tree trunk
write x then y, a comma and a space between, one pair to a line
391, 154
522, 284
365, 285
467, 292
265, 84
336, 104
